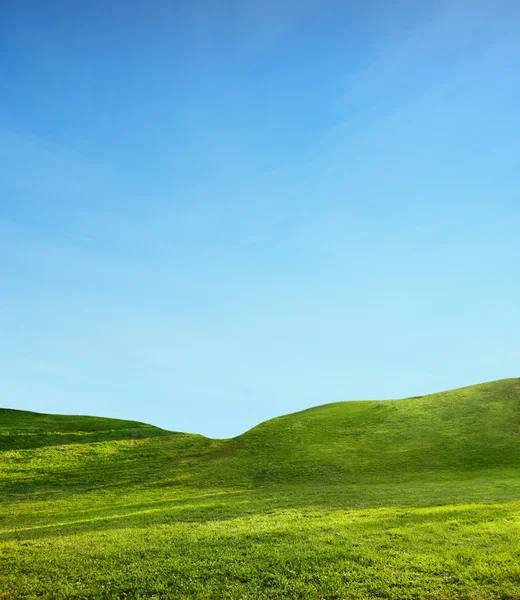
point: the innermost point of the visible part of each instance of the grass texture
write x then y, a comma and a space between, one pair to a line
413, 498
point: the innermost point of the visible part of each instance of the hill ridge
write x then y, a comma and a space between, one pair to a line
461, 430
140, 424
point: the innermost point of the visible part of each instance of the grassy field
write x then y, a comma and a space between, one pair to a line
413, 498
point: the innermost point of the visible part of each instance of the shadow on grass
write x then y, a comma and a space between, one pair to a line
31, 441
148, 461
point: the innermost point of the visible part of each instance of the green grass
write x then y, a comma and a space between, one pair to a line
413, 498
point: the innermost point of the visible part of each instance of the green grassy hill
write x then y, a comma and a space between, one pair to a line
471, 428
408, 498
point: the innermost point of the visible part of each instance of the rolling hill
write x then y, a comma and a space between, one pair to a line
409, 498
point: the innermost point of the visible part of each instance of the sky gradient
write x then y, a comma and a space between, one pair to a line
216, 213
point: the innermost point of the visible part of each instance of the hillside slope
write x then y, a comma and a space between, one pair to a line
467, 429
464, 429
25, 429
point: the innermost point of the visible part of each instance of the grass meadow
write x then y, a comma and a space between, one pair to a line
412, 498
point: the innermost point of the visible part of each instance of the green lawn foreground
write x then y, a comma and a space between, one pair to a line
415, 498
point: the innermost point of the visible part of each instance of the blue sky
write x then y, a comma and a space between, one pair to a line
216, 213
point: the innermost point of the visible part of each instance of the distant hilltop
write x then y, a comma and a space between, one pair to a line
466, 429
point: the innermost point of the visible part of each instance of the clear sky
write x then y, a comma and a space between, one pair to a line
214, 213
